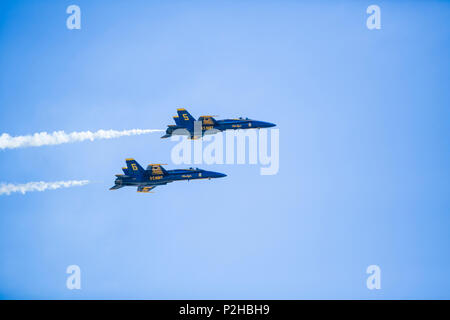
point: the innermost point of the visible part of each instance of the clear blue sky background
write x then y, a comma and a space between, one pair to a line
364, 157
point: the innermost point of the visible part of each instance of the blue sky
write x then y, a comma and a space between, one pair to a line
364, 128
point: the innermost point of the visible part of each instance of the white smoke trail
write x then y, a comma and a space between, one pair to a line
60, 137
8, 188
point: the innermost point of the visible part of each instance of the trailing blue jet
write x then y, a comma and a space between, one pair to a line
155, 175
186, 125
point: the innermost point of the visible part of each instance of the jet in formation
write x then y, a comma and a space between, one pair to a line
187, 125
155, 175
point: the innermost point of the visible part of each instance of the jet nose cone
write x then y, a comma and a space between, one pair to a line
263, 124
217, 175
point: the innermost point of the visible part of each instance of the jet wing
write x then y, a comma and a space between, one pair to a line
156, 169
145, 189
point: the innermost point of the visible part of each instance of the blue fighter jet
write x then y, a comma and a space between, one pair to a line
186, 125
155, 175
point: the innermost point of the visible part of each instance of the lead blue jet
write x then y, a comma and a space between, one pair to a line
185, 125
155, 175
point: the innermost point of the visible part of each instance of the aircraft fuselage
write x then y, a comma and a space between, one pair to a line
155, 175
187, 125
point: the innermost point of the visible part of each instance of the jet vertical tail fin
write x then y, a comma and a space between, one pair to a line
134, 169
185, 119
